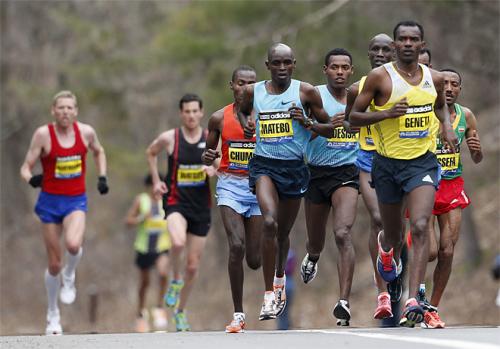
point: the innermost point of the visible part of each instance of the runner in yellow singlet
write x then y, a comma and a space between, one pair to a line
406, 95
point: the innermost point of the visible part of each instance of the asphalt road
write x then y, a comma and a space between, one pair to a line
365, 338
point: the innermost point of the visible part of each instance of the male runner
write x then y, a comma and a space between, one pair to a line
151, 244
277, 172
62, 147
187, 199
405, 96
238, 205
334, 182
380, 52
451, 198
424, 57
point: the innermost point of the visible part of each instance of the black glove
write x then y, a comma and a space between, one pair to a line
102, 185
36, 181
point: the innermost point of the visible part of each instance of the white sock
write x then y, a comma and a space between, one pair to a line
52, 284
269, 296
72, 261
279, 281
239, 316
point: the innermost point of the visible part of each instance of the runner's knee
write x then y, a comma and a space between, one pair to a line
55, 267
270, 224
73, 247
343, 237
433, 253
419, 228
236, 252
446, 250
192, 268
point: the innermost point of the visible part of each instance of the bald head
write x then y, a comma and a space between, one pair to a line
380, 50
380, 38
280, 49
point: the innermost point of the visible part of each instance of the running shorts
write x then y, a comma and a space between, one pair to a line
53, 208
450, 195
325, 180
291, 177
364, 161
198, 223
145, 261
393, 178
234, 192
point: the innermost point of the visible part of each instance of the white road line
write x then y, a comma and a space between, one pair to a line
449, 343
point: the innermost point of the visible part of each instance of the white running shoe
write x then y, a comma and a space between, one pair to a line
308, 269
68, 290
53, 324
160, 321
268, 310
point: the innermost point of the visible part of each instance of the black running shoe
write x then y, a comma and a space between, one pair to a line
342, 312
395, 289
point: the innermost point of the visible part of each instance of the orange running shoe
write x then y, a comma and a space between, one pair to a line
384, 309
237, 325
432, 320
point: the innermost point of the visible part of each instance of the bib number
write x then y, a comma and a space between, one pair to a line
68, 167
342, 139
415, 123
191, 176
275, 127
239, 153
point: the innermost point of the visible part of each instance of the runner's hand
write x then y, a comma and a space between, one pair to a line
102, 185
398, 109
298, 114
449, 138
249, 129
337, 120
209, 156
36, 181
209, 170
473, 142
159, 189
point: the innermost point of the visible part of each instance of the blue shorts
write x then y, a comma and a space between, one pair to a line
364, 160
290, 177
234, 192
52, 208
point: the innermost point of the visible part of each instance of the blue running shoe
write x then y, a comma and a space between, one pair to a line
412, 314
386, 265
172, 296
181, 323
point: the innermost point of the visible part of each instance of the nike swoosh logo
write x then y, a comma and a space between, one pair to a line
344, 183
303, 190
285, 103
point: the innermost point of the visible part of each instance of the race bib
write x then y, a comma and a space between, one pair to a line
449, 162
275, 127
191, 176
368, 136
415, 123
155, 226
68, 167
239, 153
342, 139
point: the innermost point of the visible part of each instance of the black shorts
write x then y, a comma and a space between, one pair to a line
393, 178
291, 177
198, 223
325, 180
145, 261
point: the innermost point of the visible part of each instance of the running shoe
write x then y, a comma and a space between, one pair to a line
268, 310
432, 320
308, 269
142, 322
68, 290
53, 324
386, 264
174, 290
384, 309
395, 288
237, 325
279, 298
412, 314
160, 321
342, 312
181, 323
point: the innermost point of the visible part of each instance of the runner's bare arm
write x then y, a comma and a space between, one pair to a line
211, 152
33, 154
133, 215
245, 111
160, 143
442, 113
472, 137
358, 116
312, 99
352, 93
98, 151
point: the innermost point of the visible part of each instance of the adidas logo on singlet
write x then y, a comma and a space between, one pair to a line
426, 84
